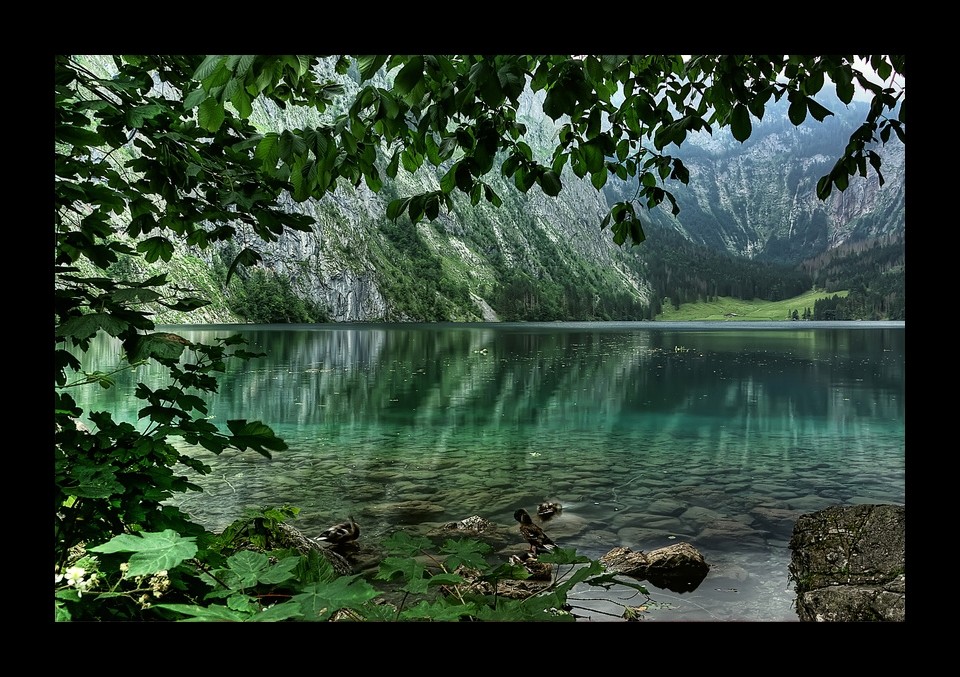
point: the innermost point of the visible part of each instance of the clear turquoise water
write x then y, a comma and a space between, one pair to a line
649, 434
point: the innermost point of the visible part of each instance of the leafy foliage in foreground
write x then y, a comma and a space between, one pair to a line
164, 576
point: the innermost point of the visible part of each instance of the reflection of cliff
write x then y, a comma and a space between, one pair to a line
452, 380
775, 374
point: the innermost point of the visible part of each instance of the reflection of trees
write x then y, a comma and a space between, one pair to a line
467, 379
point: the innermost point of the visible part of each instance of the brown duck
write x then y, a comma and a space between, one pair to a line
548, 509
344, 532
539, 541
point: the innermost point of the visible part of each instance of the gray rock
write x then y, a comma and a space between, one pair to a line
678, 567
848, 563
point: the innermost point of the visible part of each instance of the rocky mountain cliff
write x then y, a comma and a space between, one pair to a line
542, 258
758, 199
755, 200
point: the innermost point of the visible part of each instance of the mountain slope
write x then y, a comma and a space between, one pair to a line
749, 217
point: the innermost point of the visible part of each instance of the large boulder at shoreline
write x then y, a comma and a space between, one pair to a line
848, 563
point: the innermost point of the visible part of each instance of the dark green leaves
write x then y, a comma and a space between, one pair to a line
550, 183
740, 125
559, 102
211, 115
77, 136
137, 116
246, 257
86, 326
321, 600
818, 112
160, 345
156, 248
254, 435
624, 222
369, 65
567, 90
843, 79
797, 111
409, 81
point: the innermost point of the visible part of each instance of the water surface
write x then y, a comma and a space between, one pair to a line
649, 434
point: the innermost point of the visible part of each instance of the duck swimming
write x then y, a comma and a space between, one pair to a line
344, 532
534, 535
549, 509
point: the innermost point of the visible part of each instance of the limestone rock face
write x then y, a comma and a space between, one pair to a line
848, 563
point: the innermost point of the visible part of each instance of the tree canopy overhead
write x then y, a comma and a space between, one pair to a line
188, 117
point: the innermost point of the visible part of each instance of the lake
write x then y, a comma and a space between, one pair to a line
648, 433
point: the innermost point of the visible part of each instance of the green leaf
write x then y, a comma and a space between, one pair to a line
462, 177
282, 571
78, 136
241, 101
247, 566
368, 65
140, 114
400, 543
319, 601
598, 179
438, 611
817, 111
214, 612
193, 99
247, 257
449, 180
396, 208
592, 156
824, 187
87, 326
432, 207
415, 209
740, 124
211, 115
374, 182
393, 166
468, 552
491, 196
409, 77
153, 552
279, 612
160, 345
405, 567
93, 482
209, 66
559, 102
550, 183
156, 248
844, 82
798, 108
254, 435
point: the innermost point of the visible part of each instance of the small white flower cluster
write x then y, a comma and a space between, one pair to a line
159, 583
77, 577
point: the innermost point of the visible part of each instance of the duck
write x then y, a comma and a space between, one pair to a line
548, 509
534, 535
343, 532
535, 568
